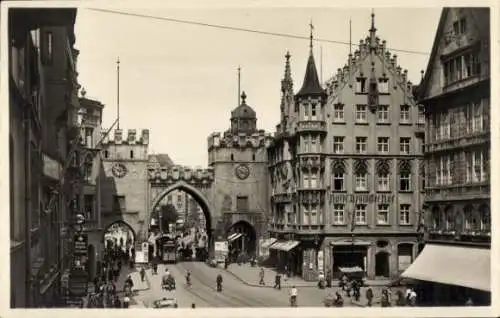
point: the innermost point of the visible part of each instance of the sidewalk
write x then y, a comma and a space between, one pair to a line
136, 278
250, 276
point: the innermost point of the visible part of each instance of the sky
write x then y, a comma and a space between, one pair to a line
180, 81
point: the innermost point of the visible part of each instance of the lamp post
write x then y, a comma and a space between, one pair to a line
160, 219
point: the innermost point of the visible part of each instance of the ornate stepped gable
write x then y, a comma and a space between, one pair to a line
372, 43
117, 138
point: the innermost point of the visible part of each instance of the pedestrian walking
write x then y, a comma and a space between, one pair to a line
369, 296
277, 281
261, 277
143, 273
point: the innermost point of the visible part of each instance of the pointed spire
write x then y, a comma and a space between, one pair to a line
311, 85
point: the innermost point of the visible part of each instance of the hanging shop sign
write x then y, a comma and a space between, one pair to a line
80, 244
51, 168
361, 198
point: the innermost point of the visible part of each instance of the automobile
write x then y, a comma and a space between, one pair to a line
165, 303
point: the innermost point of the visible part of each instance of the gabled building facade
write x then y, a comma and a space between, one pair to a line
456, 95
345, 168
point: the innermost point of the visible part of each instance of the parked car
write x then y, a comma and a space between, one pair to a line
165, 303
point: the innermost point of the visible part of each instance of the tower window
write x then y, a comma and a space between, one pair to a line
253, 157
106, 154
232, 157
131, 154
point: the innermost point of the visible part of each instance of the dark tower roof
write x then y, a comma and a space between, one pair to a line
311, 85
243, 111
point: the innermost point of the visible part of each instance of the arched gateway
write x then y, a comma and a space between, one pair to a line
234, 188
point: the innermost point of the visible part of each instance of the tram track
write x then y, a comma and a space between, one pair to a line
230, 300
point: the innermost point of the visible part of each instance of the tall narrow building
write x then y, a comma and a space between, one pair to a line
454, 266
345, 168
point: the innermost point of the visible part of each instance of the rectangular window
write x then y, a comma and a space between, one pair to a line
404, 145
477, 123
305, 181
89, 137
421, 115
404, 114
383, 214
314, 181
360, 214
361, 85
88, 206
314, 144
307, 145
338, 144
404, 181
383, 181
383, 86
361, 145
179, 197
313, 215
169, 198
361, 113
383, 144
119, 203
338, 113
338, 181
404, 214
305, 220
338, 214
383, 114
242, 204
313, 112
361, 181
463, 25
306, 112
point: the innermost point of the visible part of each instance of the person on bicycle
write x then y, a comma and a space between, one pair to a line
293, 296
188, 278
219, 282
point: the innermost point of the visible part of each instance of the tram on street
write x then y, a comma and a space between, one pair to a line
168, 249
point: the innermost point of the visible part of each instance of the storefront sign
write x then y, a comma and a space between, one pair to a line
221, 250
361, 198
80, 244
321, 261
51, 168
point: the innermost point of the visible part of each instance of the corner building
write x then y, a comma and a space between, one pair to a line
346, 167
456, 95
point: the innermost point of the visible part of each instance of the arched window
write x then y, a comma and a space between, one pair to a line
106, 154
361, 176
253, 157
484, 214
383, 173
405, 176
469, 218
450, 218
232, 157
338, 176
436, 217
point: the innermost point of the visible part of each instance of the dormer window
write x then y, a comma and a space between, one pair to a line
361, 85
383, 85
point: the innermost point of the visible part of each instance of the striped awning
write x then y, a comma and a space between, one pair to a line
234, 236
268, 242
284, 245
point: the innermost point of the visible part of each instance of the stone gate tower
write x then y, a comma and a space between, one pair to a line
124, 181
239, 161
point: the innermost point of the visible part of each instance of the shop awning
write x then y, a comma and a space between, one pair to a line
234, 236
268, 242
453, 265
284, 245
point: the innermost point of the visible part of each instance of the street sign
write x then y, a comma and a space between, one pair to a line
80, 244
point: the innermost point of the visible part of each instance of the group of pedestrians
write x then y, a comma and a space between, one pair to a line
105, 293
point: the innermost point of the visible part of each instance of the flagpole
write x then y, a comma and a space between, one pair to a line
118, 92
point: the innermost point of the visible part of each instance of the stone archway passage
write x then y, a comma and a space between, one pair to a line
119, 232
382, 264
242, 237
196, 194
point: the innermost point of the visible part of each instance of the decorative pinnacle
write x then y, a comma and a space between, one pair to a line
373, 29
243, 98
287, 56
83, 92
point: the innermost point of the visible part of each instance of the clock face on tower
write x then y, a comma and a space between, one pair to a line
119, 170
242, 171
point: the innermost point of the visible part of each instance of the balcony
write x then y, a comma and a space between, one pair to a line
282, 198
459, 192
481, 138
318, 126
